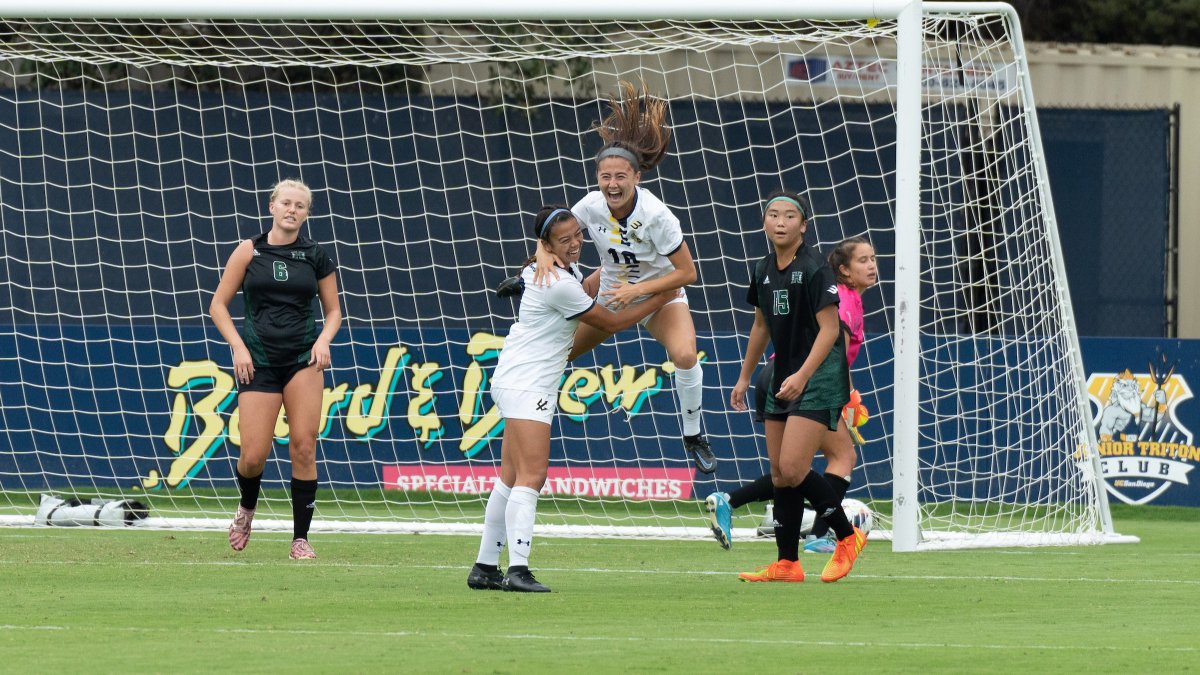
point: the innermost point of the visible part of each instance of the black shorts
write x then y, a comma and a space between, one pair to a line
829, 418
762, 390
785, 409
271, 379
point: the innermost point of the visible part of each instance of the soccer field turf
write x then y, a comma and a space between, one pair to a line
155, 601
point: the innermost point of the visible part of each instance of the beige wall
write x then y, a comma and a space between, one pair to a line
1125, 76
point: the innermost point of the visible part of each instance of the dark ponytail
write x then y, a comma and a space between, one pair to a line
635, 128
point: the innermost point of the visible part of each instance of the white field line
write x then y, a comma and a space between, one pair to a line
590, 570
933, 541
670, 639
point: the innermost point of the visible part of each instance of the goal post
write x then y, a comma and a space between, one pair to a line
137, 147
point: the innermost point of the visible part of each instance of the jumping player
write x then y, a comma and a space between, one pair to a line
642, 250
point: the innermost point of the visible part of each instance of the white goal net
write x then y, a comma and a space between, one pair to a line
136, 153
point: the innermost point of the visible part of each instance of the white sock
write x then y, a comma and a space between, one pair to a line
493, 525
689, 390
519, 517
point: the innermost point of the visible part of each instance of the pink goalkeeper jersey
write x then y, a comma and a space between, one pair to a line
850, 311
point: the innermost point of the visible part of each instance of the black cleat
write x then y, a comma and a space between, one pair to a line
706, 461
521, 580
511, 287
483, 579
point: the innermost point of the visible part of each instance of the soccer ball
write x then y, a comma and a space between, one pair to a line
859, 514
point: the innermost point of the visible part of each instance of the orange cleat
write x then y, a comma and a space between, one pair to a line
844, 556
780, 570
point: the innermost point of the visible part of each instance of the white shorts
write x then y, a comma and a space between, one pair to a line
518, 404
680, 298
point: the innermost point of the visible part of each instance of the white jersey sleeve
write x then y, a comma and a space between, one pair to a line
569, 298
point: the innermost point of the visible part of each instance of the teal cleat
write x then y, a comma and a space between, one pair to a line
720, 518
825, 544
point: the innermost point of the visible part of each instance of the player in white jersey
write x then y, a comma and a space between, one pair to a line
642, 250
638, 250
525, 389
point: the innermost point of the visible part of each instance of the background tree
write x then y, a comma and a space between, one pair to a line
1149, 22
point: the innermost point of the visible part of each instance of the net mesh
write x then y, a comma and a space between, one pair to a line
135, 155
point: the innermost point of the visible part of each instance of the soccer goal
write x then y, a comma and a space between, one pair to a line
137, 148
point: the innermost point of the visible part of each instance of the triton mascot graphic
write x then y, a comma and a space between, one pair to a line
1144, 449
1125, 405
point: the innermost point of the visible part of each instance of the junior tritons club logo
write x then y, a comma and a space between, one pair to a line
1144, 449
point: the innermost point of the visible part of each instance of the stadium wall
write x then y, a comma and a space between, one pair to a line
1126, 76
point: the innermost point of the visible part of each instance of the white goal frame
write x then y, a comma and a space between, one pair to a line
906, 535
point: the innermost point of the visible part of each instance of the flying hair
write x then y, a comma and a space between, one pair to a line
636, 123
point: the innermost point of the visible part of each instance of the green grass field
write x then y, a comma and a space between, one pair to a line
154, 601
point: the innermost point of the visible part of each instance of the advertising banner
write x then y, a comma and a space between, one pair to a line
1145, 413
408, 416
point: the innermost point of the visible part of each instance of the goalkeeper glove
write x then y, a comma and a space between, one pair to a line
511, 287
855, 413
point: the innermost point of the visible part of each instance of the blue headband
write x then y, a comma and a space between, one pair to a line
546, 222
784, 198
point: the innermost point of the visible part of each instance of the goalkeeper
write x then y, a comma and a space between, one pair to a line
525, 389
853, 260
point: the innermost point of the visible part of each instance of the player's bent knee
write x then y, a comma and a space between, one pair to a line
684, 360
787, 479
251, 468
533, 482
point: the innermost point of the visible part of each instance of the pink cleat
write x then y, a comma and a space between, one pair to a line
302, 550
239, 530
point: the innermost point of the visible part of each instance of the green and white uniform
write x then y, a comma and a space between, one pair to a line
278, 291
790, 299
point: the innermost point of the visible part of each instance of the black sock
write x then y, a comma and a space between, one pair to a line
840, 486
789, 511
818, 493
759, 491
304, 503
249, 488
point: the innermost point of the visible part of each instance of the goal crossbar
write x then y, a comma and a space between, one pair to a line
457, 9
